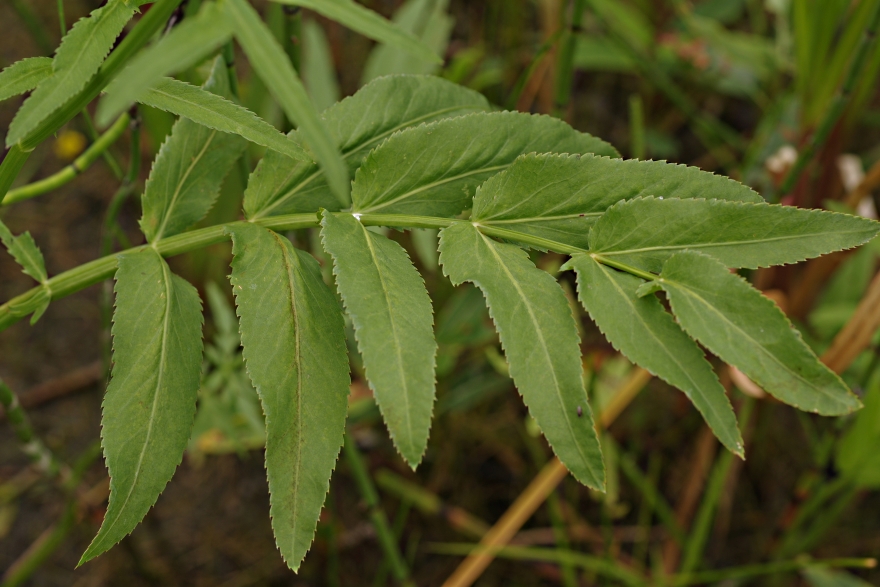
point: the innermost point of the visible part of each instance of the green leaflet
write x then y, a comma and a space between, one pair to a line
318, 70
210, 110
189, 170
559, 197
368, 23
151, 400
76, 60
23, 76
538, 333
294, 348
358, 123
27, 254
186, 45
434, 169
391, 311
747, 330
644, 232
272, 65
428, 21
643, 331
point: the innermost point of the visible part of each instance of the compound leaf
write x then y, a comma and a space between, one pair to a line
270, 62
294, 348
540, 340
559, 197
189, 170
186, 45
644, 232
151, 399
217, 113
358, 123
76, 60
391, 311
23, 76
643, 331
434, 169
368, 23
746, 329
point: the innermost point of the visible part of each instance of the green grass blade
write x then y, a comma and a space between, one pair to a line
275, 70
282, 186
77, 59
643, 331
559, 197
23, 76
151, 400
193, 161
746, 329
294, 348
218, 113
644, 232
25, 252
186, 45
368, 23
318, 70
391, 311
540, 340
434, 169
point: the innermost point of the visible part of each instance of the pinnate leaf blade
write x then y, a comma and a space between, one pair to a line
280, 185
23, 76
559, 197
540, 340
368, 23
294, 348
77, 59
747, 330
434, 169
186, 177
391, 311
643, 331
217, 113
270, 62
644, 232
151, 399
184, 46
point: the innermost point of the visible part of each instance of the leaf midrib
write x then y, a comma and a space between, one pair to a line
345, 156
556, 387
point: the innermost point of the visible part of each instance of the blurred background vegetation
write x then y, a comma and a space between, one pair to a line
779, 94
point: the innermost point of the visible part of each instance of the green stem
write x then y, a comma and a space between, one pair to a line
13, 161
115, 169
636, 127
34, 26
377, 516
62, 22
565, 65
756, 570
79, 165
95, 271
32, 446
696, 543
833, 114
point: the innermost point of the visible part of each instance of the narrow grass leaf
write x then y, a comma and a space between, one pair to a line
368, 23
293, 336
643, 331
270, 62
358, 123
644, 232
151, 400
746, 329
559, 197
857, 456
391, 311
187, 44
538, 333
23, 76
193, 161
25, 252
434, 169
217, 113
318, 70
77, 59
